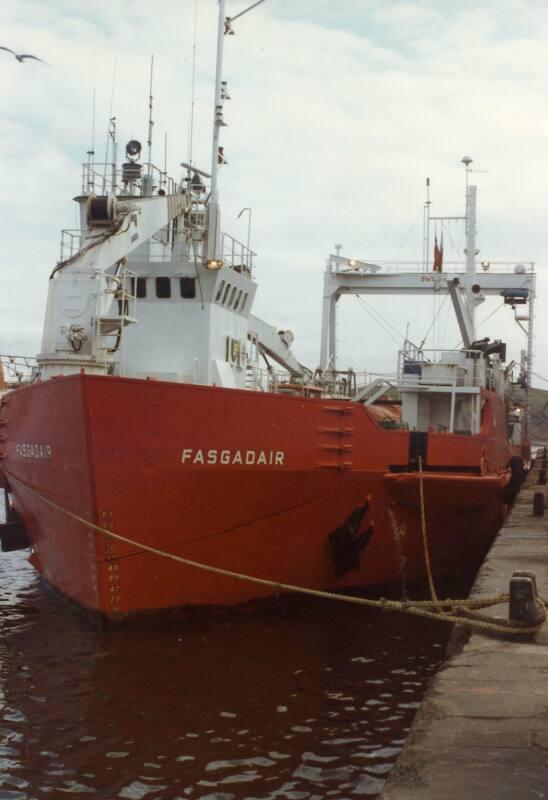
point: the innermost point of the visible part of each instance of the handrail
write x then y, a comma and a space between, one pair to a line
399, 267
106, 178
236, 255
18, 370
471, 372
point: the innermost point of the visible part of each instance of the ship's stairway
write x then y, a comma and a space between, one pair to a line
368, 394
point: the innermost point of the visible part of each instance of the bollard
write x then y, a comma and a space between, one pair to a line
541, 476
525, 573
538, 504
523, 599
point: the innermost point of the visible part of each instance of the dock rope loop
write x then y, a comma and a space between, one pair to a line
453, 611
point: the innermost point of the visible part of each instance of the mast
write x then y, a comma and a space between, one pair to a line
471, 250
218, 108
213, 221
150, 120
426, 229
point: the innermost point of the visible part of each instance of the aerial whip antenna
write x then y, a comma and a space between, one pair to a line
91, 151
191, 124
111, 133
110, 117
165, 159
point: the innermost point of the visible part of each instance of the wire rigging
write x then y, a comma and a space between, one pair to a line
241, 13
447, 318
490, 315
478, 326
399, 334
406, 237
380, 320
433, 322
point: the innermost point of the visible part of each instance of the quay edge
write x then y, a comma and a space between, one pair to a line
482, 729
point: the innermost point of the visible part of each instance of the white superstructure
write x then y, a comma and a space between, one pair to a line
148, 286
137, 298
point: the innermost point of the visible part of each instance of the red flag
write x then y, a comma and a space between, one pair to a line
438, 254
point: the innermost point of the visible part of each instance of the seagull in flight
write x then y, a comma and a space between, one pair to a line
21, 56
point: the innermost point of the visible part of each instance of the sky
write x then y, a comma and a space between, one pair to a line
338, 113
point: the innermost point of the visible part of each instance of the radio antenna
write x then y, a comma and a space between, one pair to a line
150, 121
111, 131
165, 156
91, 151
191, 123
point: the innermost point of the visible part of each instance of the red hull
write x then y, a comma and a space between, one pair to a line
125, 454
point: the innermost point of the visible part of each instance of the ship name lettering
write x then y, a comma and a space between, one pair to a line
43, 452
248, 458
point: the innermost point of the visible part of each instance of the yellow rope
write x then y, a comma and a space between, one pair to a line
419, 608
425, 546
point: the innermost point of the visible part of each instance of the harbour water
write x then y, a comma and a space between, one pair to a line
299, 700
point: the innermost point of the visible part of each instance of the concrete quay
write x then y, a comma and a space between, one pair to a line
481, 732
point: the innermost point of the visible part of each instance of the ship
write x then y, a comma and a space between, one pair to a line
171, 451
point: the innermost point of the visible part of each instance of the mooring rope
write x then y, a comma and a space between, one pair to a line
461, 609
425, 545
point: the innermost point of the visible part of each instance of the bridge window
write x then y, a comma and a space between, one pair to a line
188, 288
141, 290
227, 289
233, 295
244, 302
163, 287
237, 303
219, 293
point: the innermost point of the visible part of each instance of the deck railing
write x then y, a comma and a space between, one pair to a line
236, 255
461, 368
18, 370
322, 383
413, 267
104, 178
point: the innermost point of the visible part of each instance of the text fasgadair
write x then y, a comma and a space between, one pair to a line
38, 451
248, 458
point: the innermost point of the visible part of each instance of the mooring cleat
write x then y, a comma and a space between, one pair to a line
538, 504
524, 605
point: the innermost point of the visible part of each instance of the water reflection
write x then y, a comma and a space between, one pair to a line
301, 700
